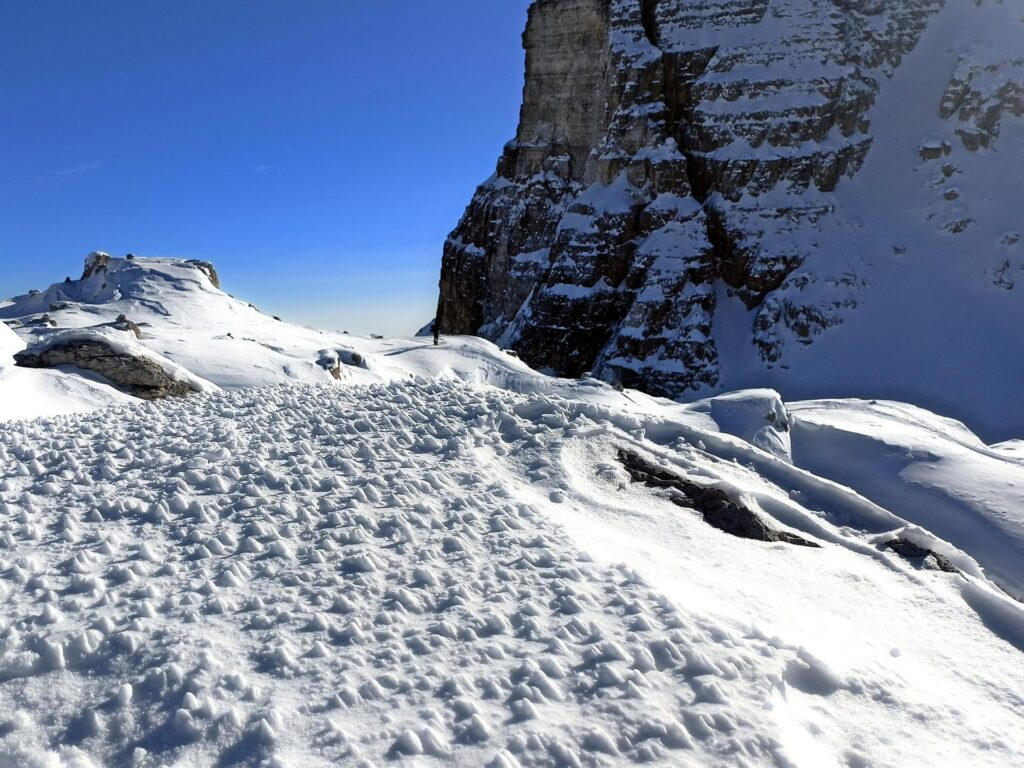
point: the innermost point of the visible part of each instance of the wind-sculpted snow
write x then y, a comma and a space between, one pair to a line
422, 573
929, 470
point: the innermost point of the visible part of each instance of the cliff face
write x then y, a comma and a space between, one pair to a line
673, 158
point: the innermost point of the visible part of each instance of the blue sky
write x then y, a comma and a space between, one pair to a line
317, 151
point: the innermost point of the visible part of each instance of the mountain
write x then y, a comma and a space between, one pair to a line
168, 322
802, 194
324, 550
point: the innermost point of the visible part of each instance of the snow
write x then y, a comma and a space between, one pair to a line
758, 416
437, 558
9, 344
435, 569
927, 470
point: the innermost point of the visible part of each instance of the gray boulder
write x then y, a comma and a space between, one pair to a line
136, 375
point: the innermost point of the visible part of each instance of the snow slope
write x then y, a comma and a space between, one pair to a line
930, 471
435, 572
186, 320
434, 555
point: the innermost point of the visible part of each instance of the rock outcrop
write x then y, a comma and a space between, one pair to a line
136, 374
983, 88
95, 263
207, 269
671, 156
713, 504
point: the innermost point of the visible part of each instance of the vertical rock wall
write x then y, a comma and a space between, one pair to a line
670, 155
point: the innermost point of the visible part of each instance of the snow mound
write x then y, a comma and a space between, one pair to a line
756, 415
928, 470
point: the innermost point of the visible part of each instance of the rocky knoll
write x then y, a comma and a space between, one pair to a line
671, 157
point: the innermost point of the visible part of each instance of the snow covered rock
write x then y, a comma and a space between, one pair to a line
756, 415
708, 196
26, 393
117, 358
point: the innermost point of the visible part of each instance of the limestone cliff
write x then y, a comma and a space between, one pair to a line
671, 158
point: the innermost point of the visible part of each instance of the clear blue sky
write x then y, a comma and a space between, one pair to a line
317, 151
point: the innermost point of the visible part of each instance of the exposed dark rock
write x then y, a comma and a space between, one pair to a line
714, 504
95, 262
207, 269
926, 558
138, 376
984, 88
122, 323
40, 321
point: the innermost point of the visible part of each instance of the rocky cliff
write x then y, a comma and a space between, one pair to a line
674, 169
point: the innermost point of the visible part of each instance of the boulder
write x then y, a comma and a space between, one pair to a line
137, 374
96, 261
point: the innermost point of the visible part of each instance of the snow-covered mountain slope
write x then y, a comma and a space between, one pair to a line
182, 316
439, 572
338, 550
802, 194
185, 320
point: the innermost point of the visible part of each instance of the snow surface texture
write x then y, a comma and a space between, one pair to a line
434, 572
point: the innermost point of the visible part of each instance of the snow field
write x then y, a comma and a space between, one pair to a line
313, 575
326, 576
